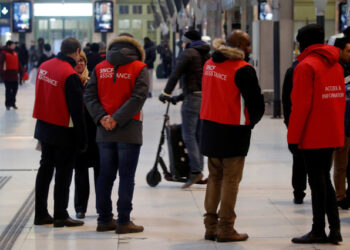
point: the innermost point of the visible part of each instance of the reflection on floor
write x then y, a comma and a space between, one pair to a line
172, 217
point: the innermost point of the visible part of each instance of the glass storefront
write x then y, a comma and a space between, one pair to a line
55, 29
56, 21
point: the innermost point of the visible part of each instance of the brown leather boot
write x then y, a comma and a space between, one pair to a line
232, 236
210, 222
128, 228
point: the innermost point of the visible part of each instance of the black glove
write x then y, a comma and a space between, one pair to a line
164, 98
177, 98
293, 148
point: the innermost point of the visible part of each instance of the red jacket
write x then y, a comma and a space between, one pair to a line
113, 95
318, 99
222, 101
9, 65
50, 100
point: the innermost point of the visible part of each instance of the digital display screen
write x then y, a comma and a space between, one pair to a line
103, 16
22, 16
265, 11
342, 16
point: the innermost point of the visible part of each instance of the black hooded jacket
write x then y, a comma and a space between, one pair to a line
189, 66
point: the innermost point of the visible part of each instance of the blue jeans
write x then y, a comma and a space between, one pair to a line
190, 130
116, 156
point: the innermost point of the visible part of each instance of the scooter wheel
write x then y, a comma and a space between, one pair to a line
153, 178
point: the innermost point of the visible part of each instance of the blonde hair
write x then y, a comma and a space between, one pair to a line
85, 75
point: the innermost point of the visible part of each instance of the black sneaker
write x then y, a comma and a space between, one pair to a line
14, 106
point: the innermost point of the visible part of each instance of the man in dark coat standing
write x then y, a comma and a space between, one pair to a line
150, 50
232, 105
189, 67
299, 168
60, 128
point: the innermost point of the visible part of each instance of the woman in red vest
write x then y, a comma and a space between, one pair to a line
9, 70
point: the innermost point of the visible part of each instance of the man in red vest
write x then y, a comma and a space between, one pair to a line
114, 97
232, 104
316, 126
60, 129
10, 67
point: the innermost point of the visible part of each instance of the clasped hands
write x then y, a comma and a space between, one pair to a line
108, 122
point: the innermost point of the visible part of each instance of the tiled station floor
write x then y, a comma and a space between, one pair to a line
172, 217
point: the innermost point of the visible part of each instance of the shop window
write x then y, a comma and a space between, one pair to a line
124, 24
136, 24
137, 9
149, 9
123, 9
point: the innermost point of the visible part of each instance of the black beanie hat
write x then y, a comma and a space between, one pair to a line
309, 35
193, 35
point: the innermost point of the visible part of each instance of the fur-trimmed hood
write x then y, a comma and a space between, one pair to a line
125, 46
219, 45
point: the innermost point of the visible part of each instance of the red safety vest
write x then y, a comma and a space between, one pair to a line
222, 101
113, 95
50, 100
11, 60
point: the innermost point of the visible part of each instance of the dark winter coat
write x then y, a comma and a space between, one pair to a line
224, 141
93, 59
150, 50
287, 91
72, 137
122, 50
189, 67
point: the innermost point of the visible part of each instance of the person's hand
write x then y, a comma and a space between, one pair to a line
177, 98
111, 123
293, 148
164, 98
104, 122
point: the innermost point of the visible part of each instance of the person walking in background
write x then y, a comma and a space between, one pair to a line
93, 58
316, 126
88, 159
341, 154
166, 57
114, 97
232, 104
299, 169
46, 55
60, 128
10, 68
189, 67
150, 50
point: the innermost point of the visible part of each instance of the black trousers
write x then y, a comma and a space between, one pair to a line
299, 175
11, 88
318, 164
82, 187
62, 160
